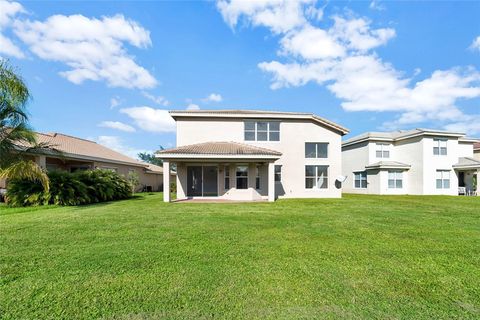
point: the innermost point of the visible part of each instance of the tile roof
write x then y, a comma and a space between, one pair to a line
220, 148
81, 148
387, 165
258, 114
467, 162
399, 135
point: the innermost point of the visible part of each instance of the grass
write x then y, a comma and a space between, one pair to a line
397, 257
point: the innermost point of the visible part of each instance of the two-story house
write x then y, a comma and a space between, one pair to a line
419, 161
254, 155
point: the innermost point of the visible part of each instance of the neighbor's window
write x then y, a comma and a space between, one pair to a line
257, 178
242, 177
262, 131
382, 150
278, 173
316, 177
361, 180
440, 147
316, 150
395, 179
443, 179
227, 177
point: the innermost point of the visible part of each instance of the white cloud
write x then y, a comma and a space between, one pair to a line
114, 102
278, 15
8, 11
117, 144
475, 44
117, 125
93, 48
150, 119
342, 59
193, 106
157, 99
375, 5
470, 125
213, 97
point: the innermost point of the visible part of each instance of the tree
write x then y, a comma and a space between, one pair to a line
150, 158
15, 131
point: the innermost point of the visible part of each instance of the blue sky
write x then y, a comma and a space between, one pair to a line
107, 71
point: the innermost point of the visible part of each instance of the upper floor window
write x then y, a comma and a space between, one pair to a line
395, 179
443, 179
382, 150
316, 177
316, 150
262, 131
361, 180
440, 147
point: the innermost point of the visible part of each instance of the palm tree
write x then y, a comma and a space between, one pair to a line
15, 131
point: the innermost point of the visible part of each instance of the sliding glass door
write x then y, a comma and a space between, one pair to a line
202, 181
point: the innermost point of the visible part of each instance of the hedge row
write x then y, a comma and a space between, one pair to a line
70, 189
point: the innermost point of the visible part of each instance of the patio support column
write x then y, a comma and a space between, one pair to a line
41, 160
478, 182
166, 181
271, 181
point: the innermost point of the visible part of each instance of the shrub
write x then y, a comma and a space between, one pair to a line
70, 189
23, 193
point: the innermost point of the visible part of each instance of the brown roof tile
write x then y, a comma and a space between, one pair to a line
221, 148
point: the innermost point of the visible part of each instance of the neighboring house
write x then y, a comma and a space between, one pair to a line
80, 154
254, 155
476, 150
419, 161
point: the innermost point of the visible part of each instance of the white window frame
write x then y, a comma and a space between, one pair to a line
384, 149
360, 180
316, 150
237, 177
277, 175
317, 177
444, 176
226, 186
268, 131
397, 176
440, 147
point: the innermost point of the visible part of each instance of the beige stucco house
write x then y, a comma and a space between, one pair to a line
254, 155
81, 154
419, 161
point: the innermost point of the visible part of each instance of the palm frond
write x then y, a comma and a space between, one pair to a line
26, 170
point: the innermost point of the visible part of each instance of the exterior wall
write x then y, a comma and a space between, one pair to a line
293, 135
410, 152
476, 154
354, 159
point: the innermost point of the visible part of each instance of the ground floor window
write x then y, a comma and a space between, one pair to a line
316, 177
278, 173
257, 177
242, 177
443, 179
395, 179
227, 177
361, 180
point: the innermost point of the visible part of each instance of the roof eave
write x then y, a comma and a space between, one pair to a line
216, 156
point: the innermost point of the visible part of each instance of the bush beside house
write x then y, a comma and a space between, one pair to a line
70, 189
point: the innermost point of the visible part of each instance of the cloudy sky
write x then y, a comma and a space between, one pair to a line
109, 71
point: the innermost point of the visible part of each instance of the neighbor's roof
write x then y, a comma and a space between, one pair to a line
258, 114
404, 134
467, 163
476, 146
219, 150
77, 148
388, 165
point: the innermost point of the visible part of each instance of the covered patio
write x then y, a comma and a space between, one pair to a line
222, 171
468, 172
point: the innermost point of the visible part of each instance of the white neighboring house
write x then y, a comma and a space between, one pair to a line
254, 155
419, 161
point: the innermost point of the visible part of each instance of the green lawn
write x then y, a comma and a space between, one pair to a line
396, 257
